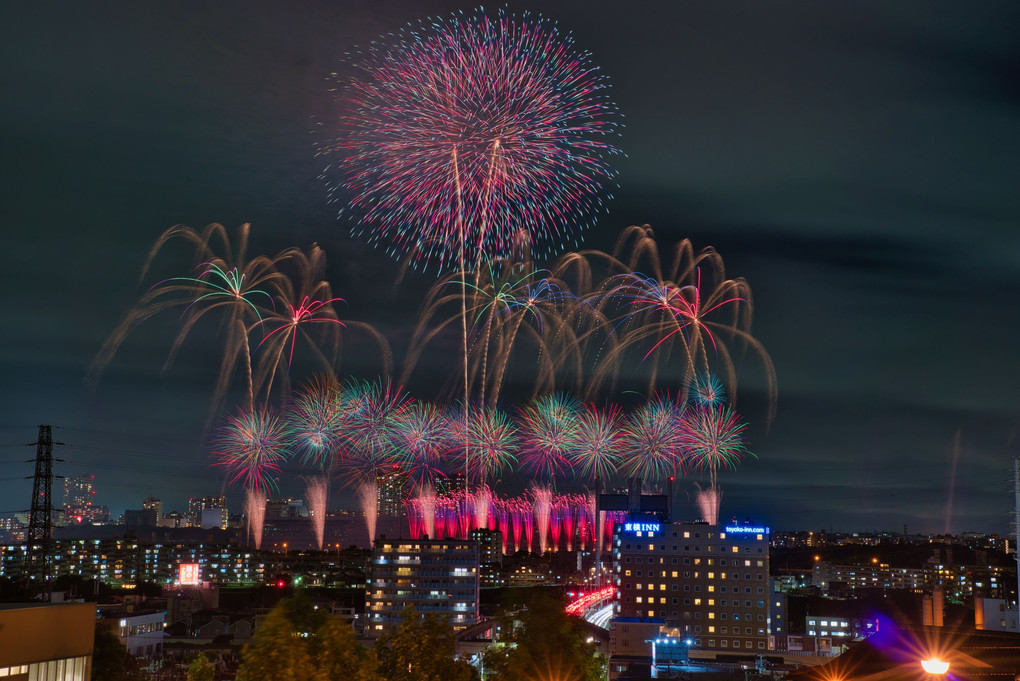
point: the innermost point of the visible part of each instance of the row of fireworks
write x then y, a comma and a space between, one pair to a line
361, 430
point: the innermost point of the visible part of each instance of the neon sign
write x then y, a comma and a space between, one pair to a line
188, 573
641, 527
747, 530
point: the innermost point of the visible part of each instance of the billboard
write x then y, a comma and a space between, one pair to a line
188, 574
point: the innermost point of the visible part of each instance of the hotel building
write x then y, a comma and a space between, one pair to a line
710, 583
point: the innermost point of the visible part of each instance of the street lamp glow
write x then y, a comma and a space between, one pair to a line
935, 666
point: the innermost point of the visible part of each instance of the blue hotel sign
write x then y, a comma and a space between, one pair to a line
641, 527
746, 530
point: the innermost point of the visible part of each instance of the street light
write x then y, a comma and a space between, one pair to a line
935, 666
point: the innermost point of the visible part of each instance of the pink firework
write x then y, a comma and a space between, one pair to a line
651, 438
316, 418
467, 132
373, 410
549, 434
597, 442
303, 313
713, 437
489, 440
420, 437
251, 447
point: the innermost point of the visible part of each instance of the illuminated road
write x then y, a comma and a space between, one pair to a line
592, 606
600, 617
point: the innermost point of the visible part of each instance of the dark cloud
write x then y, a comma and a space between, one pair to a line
858, 164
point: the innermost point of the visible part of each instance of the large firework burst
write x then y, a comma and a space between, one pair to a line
549, 435
251, 447
465, 133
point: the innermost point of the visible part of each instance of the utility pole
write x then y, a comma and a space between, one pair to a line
40, 520
1016, 525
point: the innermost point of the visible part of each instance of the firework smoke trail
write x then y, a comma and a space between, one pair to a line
516, 520
415, 522
592, 533
227, 283
255, 511
481, 503
368, 497
555, 520
427, 503
317, 493
541, 508
465, 511
463, 133
251, 446
501, 509
708, 501
549, 428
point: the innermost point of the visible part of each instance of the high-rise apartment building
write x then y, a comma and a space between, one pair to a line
79, 501
391, 493
438, 576
153, 504
196, 505
709, 582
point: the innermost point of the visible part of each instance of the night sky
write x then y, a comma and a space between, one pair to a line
858, 163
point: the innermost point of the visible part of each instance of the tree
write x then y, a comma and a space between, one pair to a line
547, 645
201, 669
341, 656
421, 649
277, 651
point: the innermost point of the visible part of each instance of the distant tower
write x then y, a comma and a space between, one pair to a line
154, 504
196, 505
78, 493
391, 493
40, 520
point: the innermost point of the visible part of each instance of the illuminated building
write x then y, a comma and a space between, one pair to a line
153, 504
872, 575
438, 576
391, 494
79, 506
139, 631
125, 561
994, 614
196, 505
832, 625
490, 543
708, 582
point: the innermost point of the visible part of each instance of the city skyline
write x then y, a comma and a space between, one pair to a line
857, 166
